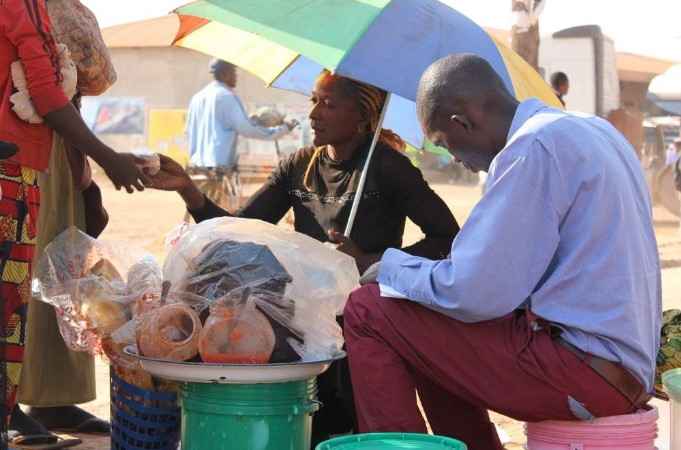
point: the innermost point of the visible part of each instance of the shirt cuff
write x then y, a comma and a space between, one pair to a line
390, 267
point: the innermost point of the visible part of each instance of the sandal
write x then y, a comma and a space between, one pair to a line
43, 442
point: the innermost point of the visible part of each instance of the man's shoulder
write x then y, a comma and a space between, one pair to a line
539, 136
215, 90
552, 127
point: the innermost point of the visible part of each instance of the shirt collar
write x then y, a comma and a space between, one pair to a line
221, 84
523, 113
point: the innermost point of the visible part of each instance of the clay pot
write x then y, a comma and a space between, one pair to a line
171, 332
230, 338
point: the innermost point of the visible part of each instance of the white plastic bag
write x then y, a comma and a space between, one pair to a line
296, 281
93, 285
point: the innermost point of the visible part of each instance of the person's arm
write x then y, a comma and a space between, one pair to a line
270, 203
233, 113
411, 194
120, 168
501, 253
29, 32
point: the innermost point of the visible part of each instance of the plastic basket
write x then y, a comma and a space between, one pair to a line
143, 419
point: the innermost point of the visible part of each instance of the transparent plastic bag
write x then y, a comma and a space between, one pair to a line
148, 161
236, 333
299, 284
92, 286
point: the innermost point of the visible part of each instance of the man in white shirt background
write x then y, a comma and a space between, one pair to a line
215, 120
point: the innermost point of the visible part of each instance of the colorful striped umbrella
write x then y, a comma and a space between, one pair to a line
386, 43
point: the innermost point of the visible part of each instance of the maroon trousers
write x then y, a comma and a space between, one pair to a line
461, 371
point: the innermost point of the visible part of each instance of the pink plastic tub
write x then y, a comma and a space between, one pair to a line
631, 432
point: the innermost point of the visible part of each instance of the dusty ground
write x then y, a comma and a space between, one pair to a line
145, 219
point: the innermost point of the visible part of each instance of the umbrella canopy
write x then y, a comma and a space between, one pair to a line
665, 90
386, 43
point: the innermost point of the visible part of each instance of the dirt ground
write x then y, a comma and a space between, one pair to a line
145, 219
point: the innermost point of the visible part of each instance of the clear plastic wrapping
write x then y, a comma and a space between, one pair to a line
237, 291
248, 269
148, 161
93, 285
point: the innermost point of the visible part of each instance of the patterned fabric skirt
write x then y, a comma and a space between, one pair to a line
19, 208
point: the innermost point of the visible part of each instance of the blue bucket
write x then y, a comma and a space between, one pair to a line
143, 419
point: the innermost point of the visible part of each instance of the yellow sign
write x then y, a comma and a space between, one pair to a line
167, 133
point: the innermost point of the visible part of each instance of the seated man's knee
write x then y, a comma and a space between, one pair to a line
361, 303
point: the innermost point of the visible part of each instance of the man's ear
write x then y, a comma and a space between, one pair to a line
461, 119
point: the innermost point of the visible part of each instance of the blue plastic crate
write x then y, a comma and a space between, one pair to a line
143, 419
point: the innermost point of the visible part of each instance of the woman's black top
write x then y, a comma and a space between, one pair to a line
394, 190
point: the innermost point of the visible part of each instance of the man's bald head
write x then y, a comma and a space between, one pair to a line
456, 80
463, 105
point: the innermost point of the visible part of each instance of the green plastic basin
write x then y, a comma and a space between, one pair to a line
671, 380
392, 441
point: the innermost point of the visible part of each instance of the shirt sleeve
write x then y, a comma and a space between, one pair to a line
501, 253
233, 113
209, 211
270, 203
411, 195
28, 29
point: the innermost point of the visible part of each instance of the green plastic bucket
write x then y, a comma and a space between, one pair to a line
392, 441
275, 416
671, 380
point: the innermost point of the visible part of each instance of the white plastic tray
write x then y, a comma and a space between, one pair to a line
232, 373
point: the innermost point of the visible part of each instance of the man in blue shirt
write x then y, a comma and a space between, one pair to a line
215, 120
549, 304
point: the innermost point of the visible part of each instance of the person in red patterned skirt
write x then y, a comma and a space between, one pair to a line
25, 37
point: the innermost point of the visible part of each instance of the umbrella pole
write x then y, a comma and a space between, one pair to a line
365, 170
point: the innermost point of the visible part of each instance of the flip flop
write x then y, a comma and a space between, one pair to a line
43, 442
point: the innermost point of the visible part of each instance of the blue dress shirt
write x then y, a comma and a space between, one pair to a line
565, 228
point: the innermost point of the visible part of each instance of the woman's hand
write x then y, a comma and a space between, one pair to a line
346, 245
123, 171
172, 177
